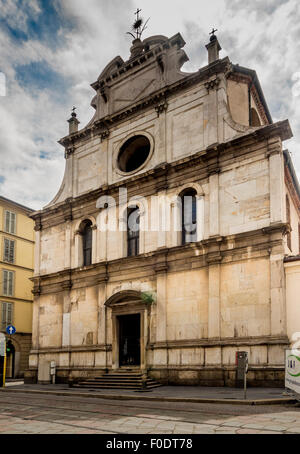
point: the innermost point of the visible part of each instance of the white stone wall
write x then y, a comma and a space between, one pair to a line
294, 229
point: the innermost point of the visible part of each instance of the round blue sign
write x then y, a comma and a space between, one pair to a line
11, 329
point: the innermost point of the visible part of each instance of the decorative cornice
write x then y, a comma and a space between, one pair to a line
69, 150
161, 107
208, 159
156, 98
220, 342
104, 135
124, 67
38, 224
210, 251
212, 84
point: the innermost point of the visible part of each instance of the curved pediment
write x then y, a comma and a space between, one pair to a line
112, 66
154, 64
124, 297
128, 297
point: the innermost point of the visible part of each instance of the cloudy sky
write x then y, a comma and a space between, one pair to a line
52, 50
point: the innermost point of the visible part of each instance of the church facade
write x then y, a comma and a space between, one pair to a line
164, 248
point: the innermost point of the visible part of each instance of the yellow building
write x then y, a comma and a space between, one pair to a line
16, 269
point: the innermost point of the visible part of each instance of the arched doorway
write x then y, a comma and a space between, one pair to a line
130, 317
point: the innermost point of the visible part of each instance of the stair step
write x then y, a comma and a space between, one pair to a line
119, 380
129, 388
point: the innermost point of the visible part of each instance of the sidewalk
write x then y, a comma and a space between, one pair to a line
197, 394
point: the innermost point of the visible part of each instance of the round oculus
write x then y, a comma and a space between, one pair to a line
134, 153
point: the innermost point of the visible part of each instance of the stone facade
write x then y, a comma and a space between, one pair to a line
222, 293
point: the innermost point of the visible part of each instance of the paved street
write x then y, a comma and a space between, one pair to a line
22, 413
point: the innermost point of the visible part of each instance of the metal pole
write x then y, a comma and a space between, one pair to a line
4, 369
245, 384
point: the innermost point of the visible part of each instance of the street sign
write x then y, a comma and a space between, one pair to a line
292, 370
11, 330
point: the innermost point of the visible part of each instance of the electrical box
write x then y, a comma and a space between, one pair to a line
242, 367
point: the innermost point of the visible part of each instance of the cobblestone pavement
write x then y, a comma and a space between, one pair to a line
22, 413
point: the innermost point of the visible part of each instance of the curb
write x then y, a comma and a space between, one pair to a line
278, 401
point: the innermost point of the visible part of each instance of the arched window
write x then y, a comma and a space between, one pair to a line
133, 231
87, 243
189, 216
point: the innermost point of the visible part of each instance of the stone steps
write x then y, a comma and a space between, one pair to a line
119, 380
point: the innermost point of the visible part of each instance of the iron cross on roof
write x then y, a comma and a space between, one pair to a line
137, 13
139, 25
213, 31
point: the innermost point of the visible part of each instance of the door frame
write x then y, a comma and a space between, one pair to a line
118, 337
128, 303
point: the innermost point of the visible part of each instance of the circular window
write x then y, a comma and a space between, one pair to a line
134, 153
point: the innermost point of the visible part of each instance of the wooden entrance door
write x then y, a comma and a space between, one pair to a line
129, 340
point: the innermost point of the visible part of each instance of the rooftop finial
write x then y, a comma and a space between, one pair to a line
212, 33
213, 47
73, 122
138, 26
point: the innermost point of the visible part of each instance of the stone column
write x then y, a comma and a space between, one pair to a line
277, 219
162, 219
214, 300
214, 227
144, 338
78, 249
37, 253
276, 173
94, 244
102, 313
214, 258
161, 300
200, 217
210, 112
68, 244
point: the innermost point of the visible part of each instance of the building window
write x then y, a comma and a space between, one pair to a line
134, 153
133, 231
10, 222
9, 251
6, 315
288, 220
189, 216
8, 282
87, 239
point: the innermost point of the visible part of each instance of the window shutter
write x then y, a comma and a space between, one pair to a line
10, 283
3, 315
6, 250
9, 318
9, 251
7, 221
7, 314
12, 223
5, 282
11, 257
